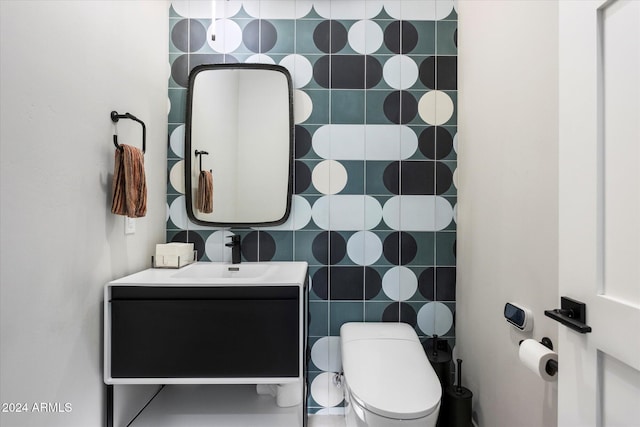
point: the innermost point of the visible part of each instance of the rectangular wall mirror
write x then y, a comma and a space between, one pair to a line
239, 128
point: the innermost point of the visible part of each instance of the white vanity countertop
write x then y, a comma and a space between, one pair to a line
272, 273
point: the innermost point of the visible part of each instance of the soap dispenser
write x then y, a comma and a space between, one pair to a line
234, 244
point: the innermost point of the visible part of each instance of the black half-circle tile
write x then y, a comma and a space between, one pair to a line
445, 283
400, 312
183, 65
259, 35
438, 284
191, 237
391, 177
329, 247
258, 246
302, 177
399, 248
447, 67
320, 283
444, 178
427, 72
347, 71
400, 37
373, 73
330, 36
417, 178
188, 35
302, 142
435, 142
353, 283
426, 283
400, 107
439, 72
455, 37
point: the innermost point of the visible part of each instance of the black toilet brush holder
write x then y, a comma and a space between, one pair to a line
456, 409
439, 356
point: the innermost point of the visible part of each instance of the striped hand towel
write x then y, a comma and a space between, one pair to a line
129, 183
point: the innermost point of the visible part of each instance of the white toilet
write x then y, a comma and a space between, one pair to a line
388, 379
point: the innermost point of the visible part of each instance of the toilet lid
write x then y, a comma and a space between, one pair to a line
391, 377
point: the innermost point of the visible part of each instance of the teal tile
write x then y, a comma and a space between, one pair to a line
343, 312
445, 248
355, 176
453, 200
446, 38
374, 177
452, 191
453, 130
286, 36
318, 318
425, 241
453, 121
427, 37
170, 188
284, 245
453, 16
347, 106
373, 310
302, 246
304, 43
375, 107
178, 99
320, 101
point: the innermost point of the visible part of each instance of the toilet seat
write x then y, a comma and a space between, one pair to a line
388, 373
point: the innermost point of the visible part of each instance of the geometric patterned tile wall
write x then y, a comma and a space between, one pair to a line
374, 200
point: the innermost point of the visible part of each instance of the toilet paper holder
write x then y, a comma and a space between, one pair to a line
552, 365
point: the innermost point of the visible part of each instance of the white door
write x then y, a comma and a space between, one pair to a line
599, 372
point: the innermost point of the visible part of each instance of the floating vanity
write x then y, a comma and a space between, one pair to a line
236, 326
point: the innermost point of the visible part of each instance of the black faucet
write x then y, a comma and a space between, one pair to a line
234, 244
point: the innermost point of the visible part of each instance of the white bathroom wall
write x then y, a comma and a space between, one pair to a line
507, 209
64, 66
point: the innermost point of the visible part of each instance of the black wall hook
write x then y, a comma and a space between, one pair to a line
199, 155
115, 117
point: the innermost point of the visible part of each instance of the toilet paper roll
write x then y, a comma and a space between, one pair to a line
535, 356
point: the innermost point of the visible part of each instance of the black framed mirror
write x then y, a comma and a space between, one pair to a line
239, 145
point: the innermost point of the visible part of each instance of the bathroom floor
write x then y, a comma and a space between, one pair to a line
224, 406
209, 405
326, 421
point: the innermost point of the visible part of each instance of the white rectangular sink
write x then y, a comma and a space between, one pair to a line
214, 270
219, 273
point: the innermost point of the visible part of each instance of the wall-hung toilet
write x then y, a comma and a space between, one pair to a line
387, 377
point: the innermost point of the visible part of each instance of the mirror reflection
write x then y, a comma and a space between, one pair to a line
238, 145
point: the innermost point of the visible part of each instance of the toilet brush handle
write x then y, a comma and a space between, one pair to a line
459, 371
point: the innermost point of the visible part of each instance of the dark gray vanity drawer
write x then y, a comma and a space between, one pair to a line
205, 332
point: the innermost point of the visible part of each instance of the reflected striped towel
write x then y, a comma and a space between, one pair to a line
129, 183
204, 196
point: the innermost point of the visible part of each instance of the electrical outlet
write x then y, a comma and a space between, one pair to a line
129, 225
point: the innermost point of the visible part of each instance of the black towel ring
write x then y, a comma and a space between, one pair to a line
199, 154
115, 117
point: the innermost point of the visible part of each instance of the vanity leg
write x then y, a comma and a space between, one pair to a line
109, 408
